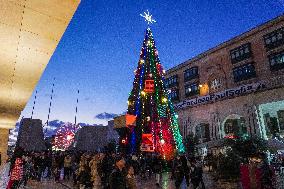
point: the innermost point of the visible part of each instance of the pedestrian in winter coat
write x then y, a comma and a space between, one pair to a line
179, 172
157, 169
196, 175
84, 177
94, 165
16, 174
67, 167
117, 179
130, 179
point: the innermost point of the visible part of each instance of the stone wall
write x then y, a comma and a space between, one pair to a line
91, 138
31, 137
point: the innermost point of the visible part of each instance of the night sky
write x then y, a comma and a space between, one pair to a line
100, 49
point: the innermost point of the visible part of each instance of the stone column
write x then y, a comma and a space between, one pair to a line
4, 136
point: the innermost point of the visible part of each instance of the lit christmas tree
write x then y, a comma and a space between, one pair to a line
149, 102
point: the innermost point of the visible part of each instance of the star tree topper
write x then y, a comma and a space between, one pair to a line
148, 17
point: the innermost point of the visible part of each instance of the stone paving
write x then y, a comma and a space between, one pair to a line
166, 183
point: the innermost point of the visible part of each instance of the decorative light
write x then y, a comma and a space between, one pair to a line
164, 71
148, 17
176, 116
150, 75
70, 137
143, 93
162, 141
164, 99
200, 85
142, 61
148, 118
65, 135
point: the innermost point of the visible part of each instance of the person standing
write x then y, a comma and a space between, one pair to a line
130, 179
196, 175
117, 179
178, 171
157, 168
67, 167
16, 174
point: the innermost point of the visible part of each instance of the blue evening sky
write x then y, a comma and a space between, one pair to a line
100, 48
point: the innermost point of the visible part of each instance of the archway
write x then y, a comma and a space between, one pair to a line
234, 126
202, 132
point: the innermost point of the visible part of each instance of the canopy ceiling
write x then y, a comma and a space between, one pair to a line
30, 30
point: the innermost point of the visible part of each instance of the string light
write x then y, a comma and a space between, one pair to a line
143, 93
162, 121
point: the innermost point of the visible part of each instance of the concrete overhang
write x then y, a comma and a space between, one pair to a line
30, 31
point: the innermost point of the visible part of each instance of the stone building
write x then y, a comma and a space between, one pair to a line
31, 137
233, 89
94, 138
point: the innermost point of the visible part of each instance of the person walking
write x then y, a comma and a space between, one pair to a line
67, 167
117, 179
196, 175
94, 165
157, 168
130, 178
16, 174
179, 171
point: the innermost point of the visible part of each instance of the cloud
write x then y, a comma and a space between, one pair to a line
55, 123
106, 116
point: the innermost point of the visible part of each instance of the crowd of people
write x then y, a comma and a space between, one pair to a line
100, 170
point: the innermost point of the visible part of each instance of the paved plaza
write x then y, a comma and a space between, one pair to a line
167, 183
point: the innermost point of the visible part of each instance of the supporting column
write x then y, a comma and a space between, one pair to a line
4, 136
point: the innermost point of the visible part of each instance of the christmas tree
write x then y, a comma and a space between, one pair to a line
149, 102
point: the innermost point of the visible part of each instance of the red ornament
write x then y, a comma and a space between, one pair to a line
159, 68
149, 86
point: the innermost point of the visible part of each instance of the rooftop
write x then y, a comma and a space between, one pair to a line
229, 42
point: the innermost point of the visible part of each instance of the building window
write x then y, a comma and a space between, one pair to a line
190, 73
241, 53
276, 61
172, 81
274, 39
202, 132
174, 95
191, 90
215, 84
244, 72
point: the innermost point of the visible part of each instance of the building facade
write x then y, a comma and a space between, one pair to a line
100, 136
31, 137
233, 89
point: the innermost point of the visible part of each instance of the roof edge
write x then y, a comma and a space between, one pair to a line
231, 41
